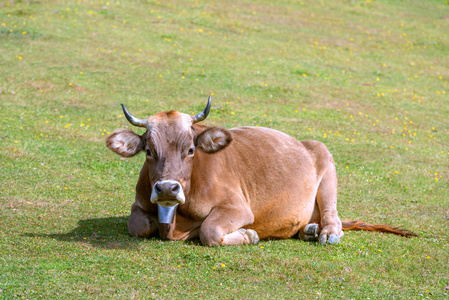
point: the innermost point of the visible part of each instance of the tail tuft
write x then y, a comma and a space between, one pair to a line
359, 225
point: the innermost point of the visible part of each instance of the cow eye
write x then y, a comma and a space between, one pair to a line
149, 154
191, 151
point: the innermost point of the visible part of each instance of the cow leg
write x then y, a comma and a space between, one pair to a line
140, 223
241, 237
223, 227
330, 223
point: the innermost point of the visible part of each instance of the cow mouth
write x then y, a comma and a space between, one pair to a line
167, 202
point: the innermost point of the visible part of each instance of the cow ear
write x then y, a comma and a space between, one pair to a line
124, 142
213, 139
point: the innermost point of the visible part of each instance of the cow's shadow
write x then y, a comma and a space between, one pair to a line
108, 233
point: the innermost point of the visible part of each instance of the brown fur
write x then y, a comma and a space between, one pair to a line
263, 183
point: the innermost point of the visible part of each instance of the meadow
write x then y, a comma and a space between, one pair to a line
367, 78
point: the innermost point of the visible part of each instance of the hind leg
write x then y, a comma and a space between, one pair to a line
330, 223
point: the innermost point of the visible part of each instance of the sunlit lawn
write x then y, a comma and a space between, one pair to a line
367, 78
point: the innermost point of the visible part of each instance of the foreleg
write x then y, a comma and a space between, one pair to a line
140, 223
224, 226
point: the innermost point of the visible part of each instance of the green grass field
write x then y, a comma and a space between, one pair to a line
367, 78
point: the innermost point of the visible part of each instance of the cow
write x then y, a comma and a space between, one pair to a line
231, 186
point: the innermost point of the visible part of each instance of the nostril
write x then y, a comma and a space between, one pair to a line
157, 188
175, 188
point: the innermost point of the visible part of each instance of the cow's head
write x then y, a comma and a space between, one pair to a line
170, 143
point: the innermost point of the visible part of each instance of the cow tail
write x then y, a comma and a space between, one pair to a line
359, 225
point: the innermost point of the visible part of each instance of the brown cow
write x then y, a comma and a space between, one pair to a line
231, 187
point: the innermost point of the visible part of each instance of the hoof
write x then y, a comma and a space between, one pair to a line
308, 238
312, 229
252, 235
323, 239
333, 239
310, 233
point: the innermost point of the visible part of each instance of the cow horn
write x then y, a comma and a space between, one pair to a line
133, 120
203, 115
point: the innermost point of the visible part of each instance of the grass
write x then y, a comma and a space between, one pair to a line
368, 78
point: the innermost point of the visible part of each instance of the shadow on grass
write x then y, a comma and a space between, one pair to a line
107, 233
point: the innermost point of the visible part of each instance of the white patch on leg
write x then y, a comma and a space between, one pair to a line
234, 238
241, 237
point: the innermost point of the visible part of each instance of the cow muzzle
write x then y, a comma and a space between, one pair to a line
167, 193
